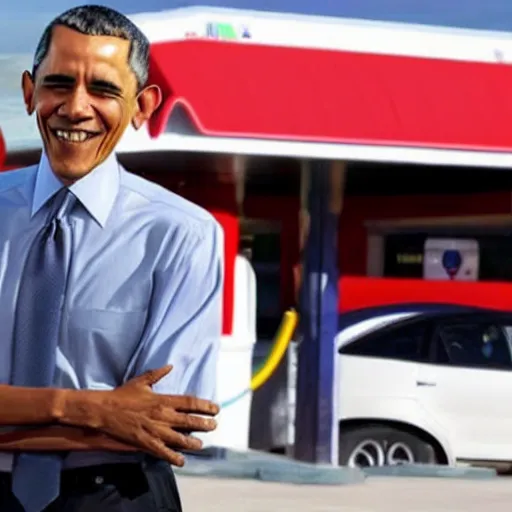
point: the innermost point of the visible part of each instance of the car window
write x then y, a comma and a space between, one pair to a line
401, 342
480, 345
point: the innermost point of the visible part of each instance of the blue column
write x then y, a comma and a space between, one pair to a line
315, 423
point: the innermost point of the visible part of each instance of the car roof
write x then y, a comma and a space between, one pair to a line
357, 327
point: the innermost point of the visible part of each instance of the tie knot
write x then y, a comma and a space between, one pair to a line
61, 204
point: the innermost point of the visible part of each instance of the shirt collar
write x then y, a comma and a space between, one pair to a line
96, 191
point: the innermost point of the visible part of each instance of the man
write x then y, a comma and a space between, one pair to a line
105, 280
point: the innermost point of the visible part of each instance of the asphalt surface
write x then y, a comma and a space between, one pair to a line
377, 494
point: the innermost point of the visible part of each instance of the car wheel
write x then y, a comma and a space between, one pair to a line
377, 445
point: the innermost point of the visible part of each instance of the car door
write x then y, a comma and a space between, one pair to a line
467, 386
378, 371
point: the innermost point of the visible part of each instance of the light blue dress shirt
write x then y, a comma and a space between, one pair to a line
145, 285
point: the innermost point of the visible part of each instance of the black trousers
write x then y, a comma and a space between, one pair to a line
146, 487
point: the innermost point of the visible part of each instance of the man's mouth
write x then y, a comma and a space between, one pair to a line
73, 136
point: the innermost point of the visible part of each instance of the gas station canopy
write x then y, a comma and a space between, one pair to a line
320, 95
312, 87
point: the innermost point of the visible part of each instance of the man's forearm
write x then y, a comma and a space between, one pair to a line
60, 439
28, 406
44, 409
20, 406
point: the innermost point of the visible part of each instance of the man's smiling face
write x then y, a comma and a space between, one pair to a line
84, 95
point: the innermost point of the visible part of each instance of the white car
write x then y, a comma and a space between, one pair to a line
426, 387
420, 386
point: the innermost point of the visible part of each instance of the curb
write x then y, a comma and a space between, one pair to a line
432, 471
266, 467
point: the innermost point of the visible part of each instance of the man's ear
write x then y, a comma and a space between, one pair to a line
27, 86
148, 101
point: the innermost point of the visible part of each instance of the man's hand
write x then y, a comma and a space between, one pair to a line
136, 415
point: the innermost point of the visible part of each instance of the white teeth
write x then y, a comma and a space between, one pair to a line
74, 136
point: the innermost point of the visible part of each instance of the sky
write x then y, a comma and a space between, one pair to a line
21, 21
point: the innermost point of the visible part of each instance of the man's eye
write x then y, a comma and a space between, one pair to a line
105, 92
101, 91
104, 88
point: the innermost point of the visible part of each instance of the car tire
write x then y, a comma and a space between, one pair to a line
380, 445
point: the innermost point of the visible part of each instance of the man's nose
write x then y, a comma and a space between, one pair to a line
77, 105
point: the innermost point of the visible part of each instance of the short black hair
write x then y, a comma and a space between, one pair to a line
97, 20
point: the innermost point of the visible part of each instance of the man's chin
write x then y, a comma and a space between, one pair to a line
70, 162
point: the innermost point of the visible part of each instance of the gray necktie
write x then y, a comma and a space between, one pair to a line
36, 476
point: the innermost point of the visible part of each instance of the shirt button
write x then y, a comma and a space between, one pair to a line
99, 480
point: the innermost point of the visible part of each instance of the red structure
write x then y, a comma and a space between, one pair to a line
317, 95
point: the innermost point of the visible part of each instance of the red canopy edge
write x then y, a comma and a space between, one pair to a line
315, 95
363, 292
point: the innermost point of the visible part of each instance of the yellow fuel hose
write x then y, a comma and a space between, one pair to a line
280, 345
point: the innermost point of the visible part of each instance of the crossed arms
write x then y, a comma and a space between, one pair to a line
129, 418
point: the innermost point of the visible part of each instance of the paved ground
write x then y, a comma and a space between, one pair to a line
375, 495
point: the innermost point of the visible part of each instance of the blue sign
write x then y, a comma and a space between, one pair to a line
452, 261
